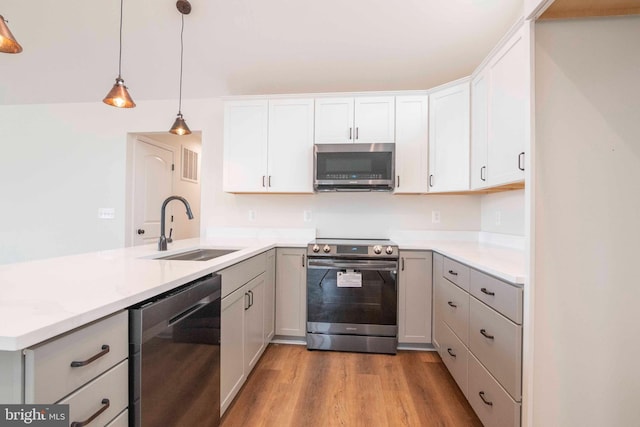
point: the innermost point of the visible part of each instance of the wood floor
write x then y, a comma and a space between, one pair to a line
292, 386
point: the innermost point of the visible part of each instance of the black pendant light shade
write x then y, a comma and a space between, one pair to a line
119, 96
8, 43
179, 125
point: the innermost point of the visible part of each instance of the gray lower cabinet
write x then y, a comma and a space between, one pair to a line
478, 334
291, 292
415, 289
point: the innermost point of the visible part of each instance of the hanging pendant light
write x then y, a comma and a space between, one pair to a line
8, 43
179, 125
119, 96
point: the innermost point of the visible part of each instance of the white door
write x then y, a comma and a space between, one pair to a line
374, 119
412, 142
290, 148
152, 185
334, 121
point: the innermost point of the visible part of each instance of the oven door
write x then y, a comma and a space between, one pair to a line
357, 297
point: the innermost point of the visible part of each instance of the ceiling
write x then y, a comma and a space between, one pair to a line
240, 47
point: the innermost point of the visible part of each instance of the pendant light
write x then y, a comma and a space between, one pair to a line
8, 43
180, 126
119, 96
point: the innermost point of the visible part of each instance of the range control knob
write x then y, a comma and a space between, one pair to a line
326, 249
377, 249
315, 248
389, 250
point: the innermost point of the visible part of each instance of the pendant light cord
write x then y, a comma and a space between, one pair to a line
181, 56
120, 53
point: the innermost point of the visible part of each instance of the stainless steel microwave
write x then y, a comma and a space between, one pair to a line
354, 167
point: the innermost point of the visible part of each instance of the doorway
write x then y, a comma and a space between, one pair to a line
159, 165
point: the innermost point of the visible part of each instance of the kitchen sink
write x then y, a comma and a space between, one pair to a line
198, 254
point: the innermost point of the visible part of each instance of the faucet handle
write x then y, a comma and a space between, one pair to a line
169, 239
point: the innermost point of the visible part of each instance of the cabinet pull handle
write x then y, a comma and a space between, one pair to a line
246, 301
431, 180
105, 405
263, 180
350, 134
269, 181
303, 260
402, 262
484, 333
356, 133
485, 291
451, 304
79, 363
250, 299
486, 402
521, 161
453, 273
398, 181
451, 353
482, 175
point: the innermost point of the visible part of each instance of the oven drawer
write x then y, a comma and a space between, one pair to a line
489, 400
456, 273
503, 297
453, 307
497, 343
454, 355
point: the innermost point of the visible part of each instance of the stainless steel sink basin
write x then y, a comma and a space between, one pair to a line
198, 254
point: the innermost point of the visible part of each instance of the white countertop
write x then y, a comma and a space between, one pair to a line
44, 298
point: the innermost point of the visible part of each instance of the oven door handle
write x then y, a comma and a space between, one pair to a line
353, 264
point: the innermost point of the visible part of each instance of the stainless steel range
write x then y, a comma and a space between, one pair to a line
352, 295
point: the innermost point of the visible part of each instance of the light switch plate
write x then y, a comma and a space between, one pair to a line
106, 213
435, 217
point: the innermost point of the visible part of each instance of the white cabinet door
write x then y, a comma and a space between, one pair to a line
412, 143
374, 119
290, 146
254, 322
509, 94
232, 373
291, 292
414, 297
245, 146
270, 297
449, 138
479, 122
334, 120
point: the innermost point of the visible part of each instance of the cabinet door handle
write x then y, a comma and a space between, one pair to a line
451, 304
250, 299
402, 264
521, 161
398, 181
79, 363
246, 301
356, 133
105, 405
486, 402
269, 181
431, 180
485, 291
453, 273
303, 260
263, 177
482, 175
451, 353
484, 333
350, 134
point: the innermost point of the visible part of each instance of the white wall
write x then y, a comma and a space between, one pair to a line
503, 212
587, 223
61, 163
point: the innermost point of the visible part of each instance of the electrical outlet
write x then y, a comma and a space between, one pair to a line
498, 217
435, 217
106, 213
307, 216
252, 215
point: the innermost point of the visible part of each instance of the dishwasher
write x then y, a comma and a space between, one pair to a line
174, 357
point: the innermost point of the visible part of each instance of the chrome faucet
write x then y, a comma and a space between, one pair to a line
162, 243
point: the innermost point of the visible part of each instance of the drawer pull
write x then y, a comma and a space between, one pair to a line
484, 333
453, 273
451, 304
485, 291
105, 406
486, 402
79, 363
451, 353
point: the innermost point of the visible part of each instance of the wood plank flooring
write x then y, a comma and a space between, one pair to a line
292, 386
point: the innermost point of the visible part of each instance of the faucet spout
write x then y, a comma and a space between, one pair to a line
162, 243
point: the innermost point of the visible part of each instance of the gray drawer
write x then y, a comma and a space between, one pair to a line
454, 355
238, 274
453, 307
112, 385
503, 297
497, 409
49, 375
497, 343
457, 273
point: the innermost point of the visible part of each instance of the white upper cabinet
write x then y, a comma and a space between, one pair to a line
449, 137
245, 145
260, 140
412, 143
365, 119
500, 94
